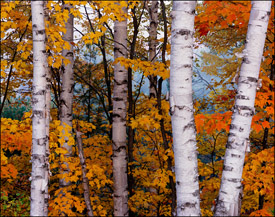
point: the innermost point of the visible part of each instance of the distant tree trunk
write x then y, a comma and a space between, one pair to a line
153, 14
48, 117
119, 122
131, 105
266, 130
238, 140
39, 181
84, 172
181, 109
66, 96
163, 133
153, 80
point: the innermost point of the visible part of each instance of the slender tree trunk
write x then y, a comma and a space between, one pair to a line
48, 117
266, 131
66, 96
119, 122
131, 110
181, 109
84, 172
7, 82
238, 140
163, 133
153, 13
39, 181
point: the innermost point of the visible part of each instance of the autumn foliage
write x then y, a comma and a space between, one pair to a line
220, 26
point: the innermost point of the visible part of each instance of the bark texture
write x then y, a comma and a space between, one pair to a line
39, 180
66, 96
153, 13
84, 172
181, 109
243, 111
119, 122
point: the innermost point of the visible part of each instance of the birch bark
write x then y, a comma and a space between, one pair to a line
243, 111
66, 96
38, 177
119, 121
181, 109
153, 13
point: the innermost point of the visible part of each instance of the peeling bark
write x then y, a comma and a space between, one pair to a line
39, 180
181, 109
243, 111
119, 121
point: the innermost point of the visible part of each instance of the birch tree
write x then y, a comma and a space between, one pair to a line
39, 179
243, 111
66, 96
119, 121
153, 14
181, 109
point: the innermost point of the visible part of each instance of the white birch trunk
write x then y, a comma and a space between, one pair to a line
38, 177
153, 13
66, 96
243, 111
119, 122
181, 109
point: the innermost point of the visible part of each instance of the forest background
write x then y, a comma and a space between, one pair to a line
221, 28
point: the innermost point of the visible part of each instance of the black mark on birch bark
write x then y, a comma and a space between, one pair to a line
227, 168
119, 149
41, 32
234, 180
187, 66
184, 32
252, 79
40, 92
236, 155
196, 193
189, 125
245, 60
115, 115
118, 99
37, 113
121, 83
242, 97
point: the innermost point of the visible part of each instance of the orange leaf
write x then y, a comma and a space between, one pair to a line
220, 125
266, 124
224, 24
257, 128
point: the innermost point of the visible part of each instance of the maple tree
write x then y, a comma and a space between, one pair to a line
220, 29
